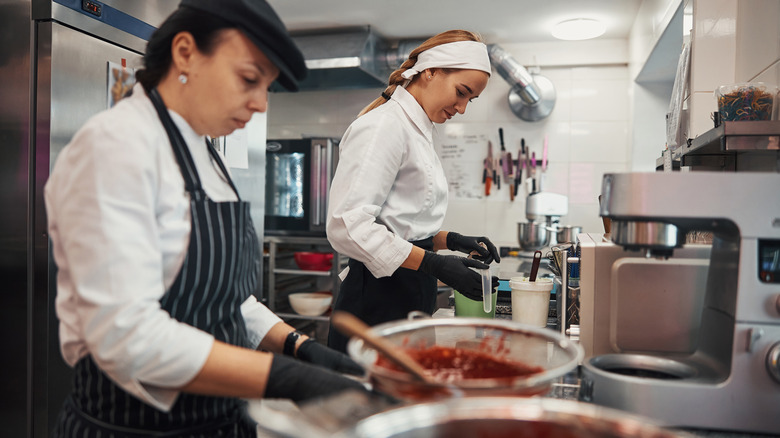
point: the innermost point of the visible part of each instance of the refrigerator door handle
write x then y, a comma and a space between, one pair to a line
328, 171
316, 185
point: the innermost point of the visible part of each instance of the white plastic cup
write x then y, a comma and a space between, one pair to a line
531, 300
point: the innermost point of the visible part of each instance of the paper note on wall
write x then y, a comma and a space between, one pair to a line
236, 145
237, 149
462, 156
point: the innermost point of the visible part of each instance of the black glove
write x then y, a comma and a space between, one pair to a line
467, 244
299, 381
455, 272
313, 352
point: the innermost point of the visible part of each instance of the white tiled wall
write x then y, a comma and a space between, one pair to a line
732, 41
588, 131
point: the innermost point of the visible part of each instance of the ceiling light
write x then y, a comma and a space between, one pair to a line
578, 29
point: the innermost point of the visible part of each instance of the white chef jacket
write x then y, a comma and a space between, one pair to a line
389, 187
119, 221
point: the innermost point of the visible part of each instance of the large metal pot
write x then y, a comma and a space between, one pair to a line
568, 234
505, 417
546, 349
532, 235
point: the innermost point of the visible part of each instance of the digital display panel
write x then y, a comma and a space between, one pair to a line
92, 7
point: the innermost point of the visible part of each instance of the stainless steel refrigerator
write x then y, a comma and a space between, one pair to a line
54, 74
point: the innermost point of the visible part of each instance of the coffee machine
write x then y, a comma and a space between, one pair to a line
727, 374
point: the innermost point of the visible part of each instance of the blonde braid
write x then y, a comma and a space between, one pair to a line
396, 79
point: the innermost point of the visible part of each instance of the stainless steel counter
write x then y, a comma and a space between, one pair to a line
568, 387
322, 418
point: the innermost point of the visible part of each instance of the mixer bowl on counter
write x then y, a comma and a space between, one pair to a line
505, 417
549, 353
532, 235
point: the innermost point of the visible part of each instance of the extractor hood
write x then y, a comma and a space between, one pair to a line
343, 58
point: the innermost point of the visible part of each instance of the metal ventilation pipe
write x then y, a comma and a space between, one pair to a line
394, 57
532, 96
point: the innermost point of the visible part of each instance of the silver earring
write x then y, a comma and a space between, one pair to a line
183, 78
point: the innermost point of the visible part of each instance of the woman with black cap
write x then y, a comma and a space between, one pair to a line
156, 252
389, 193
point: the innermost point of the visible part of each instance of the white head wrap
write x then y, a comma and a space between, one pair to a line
471, 55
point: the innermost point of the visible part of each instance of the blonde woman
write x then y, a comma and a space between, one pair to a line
389, 193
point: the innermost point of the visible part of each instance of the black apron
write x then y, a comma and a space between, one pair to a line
218, 274
377, 300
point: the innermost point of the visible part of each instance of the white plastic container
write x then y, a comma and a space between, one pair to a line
531, 300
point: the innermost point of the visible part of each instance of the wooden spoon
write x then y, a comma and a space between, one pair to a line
351, 326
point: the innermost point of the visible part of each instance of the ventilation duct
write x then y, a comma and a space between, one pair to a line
356, 57
532, 96
343, 58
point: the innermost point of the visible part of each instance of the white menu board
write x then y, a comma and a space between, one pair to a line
462, 156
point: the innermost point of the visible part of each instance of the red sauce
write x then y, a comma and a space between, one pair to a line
449, 365
505, 428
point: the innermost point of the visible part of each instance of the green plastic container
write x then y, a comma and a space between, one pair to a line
470, 308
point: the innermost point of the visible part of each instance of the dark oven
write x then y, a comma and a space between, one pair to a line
297, 180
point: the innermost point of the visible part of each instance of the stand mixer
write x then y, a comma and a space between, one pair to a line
730, 380
543, 211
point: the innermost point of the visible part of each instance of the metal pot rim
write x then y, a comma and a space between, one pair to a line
574, 350
560, 412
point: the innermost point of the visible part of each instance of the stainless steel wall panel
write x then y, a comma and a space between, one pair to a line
80, 80
15, 251
152, 12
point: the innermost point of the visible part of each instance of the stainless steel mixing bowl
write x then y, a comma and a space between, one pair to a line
532, 235
506, 417
502, 339
568, 234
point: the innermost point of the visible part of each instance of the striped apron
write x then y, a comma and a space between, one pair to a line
377, 300
219, 273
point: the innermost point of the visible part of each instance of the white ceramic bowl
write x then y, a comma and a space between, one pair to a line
310, 303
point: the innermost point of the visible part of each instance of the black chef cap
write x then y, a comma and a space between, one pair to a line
264, 28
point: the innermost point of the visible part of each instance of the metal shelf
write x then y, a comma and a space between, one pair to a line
280, 250
719, 146
302, 272
324, 318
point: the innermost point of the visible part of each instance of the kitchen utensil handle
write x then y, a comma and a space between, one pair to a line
328, 171
350, 325
316, 184
535, 265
